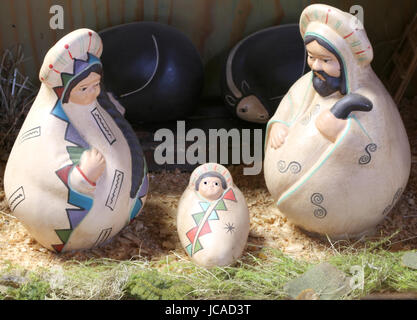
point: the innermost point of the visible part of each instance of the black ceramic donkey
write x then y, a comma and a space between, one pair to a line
260, 69
153, 70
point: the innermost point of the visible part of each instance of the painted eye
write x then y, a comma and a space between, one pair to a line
205, 182
216, 183
244, 109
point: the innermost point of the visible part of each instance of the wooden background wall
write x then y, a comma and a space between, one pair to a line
214, 26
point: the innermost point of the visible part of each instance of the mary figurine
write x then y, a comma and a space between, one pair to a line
76, 174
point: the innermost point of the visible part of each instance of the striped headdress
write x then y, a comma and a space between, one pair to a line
347, 26
70, 56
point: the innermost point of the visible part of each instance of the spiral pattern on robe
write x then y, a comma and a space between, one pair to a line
317, 199
294, 167
365, 159
394, 200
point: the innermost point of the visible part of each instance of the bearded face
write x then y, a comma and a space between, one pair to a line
327, 75
325, 84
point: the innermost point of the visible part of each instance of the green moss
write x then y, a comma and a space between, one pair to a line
152, 285
382, 271
259, 276
32, 289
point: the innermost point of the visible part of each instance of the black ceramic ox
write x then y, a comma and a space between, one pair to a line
153, 70
260, 70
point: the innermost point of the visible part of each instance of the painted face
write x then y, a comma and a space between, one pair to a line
211, 188
326, 69
321, 59
85, 92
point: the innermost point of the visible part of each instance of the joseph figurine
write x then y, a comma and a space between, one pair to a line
337, 154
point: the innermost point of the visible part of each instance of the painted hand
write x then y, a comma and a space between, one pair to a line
330, 126
92, 164
277, 135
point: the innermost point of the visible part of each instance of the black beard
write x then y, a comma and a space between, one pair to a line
328, 86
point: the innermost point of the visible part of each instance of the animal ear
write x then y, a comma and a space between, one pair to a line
230, 100
245, 87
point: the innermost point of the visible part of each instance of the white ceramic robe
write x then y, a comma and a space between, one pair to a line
342, 189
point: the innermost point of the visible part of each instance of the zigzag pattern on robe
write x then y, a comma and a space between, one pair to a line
202, 218
142, 192
82, 202
136, 152
139, 180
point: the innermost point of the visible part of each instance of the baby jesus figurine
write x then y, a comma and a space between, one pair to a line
213, 217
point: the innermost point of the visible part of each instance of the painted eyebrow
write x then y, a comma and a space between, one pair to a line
319, 55
89, 83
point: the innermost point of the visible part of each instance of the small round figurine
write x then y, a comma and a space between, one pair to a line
76, 174
259, 71
153, 70
337, 154
213, 217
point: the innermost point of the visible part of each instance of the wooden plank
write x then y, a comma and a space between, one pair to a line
148, 10
87, 9
263, 15
406, 80
412, 38
241, 15
399, 64
292, 9
22, 34
8, 31
78, 15
131, 11
115, 12
139, 11
214, 42
212, 25
101, 13
163, 11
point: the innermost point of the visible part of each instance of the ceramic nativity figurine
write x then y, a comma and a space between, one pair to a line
153, 70
76, 174
260, 69
337, 154
213, 217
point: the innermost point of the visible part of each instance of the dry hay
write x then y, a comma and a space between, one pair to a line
153, 234
17, 93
